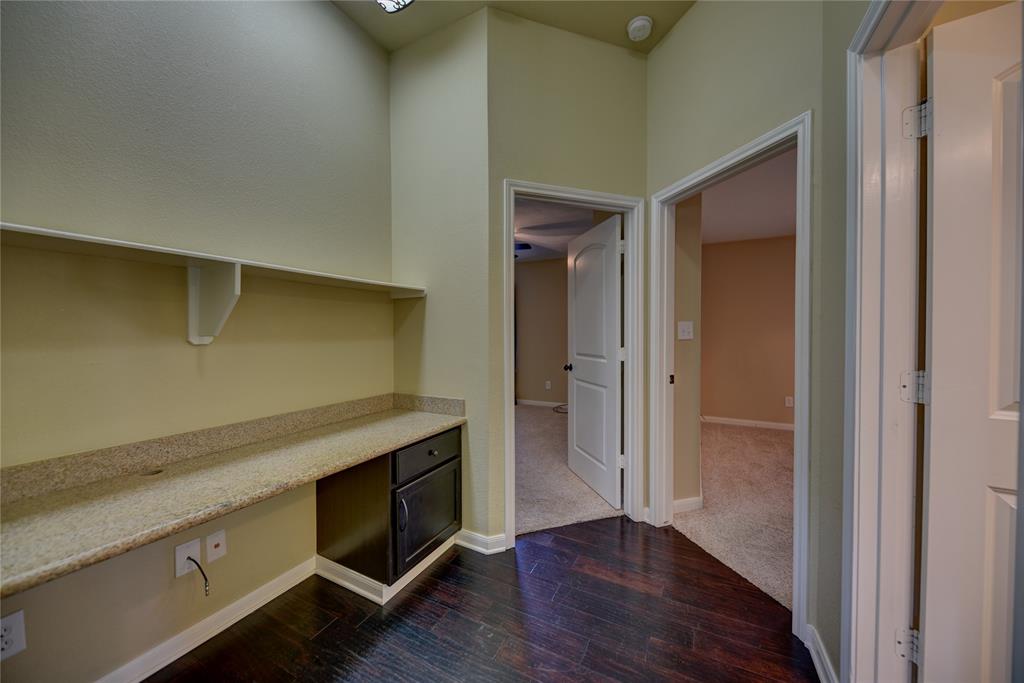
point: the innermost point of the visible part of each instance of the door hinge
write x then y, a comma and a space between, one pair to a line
622, 353
622, 246
917, 121
908, 644
621, 458
915, 387
671, 379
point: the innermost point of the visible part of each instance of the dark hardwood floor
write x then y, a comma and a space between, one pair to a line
610, 600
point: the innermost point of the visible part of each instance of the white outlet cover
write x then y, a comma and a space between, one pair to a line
789, 401
684, 330
181, 564
216, 545
547, 384
12, 634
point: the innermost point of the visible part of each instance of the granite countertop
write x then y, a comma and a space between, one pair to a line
47, 536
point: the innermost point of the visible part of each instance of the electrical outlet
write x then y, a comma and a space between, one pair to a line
547, 385
789, 401
12, 634
684, 330
181, 554
216, 545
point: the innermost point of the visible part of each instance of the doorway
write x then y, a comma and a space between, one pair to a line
932, 461
593, 239
794, 135
735, 247
559, 482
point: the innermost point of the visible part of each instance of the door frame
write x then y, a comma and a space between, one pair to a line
882, 225
632, 210
873, 486
796, 132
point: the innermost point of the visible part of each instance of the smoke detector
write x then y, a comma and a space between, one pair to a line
639, 28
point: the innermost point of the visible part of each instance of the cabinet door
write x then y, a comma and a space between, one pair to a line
427, 511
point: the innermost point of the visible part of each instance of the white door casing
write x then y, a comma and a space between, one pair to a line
632, 210
594, 372
661, 334
973, 347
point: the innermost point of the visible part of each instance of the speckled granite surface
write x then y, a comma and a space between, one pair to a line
55, 474
431, 404
47, 536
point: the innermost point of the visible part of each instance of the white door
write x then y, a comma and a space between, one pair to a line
973, 342
595, 283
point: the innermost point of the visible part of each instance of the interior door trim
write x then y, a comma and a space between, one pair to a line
632, 210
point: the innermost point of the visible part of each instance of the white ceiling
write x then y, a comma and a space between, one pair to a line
548, 227
755, 204
601, 19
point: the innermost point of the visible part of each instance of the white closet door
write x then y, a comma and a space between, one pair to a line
974, 271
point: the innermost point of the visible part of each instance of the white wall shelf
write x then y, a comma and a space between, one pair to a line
214, 282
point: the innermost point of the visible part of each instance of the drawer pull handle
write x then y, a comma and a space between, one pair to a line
432, 452
403, 517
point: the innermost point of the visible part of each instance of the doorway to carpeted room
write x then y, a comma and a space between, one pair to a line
735, 356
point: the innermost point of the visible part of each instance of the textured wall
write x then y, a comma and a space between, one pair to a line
439, 211
686, 402
250, 129
542, 330
747, 324
94, 352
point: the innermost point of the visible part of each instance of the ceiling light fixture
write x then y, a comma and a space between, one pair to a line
392, 6
638, 28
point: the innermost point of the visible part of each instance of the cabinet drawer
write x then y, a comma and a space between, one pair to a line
427, 512
425, 455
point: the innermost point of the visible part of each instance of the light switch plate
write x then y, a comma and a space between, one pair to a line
181, 554
684, 330
216, 545
789, 401
12, 634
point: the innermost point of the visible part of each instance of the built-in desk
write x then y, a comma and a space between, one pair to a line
51, 535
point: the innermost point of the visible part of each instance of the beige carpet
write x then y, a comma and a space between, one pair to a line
747, 519
548, 494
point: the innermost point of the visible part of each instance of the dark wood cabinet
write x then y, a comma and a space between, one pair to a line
428, 510
382, 517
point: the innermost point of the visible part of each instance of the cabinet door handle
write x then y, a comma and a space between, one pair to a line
432, 452
403, 516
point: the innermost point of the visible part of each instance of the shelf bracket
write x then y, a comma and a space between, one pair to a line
213, 290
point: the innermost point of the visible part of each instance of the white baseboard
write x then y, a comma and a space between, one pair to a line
822, 664
351, 580
646, 516
747, 423
166, 652
545, 404
488, 545
367, 587
687, 504
678, 505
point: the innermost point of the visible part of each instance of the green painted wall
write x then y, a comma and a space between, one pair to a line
439, 232
249, 129
708, 96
